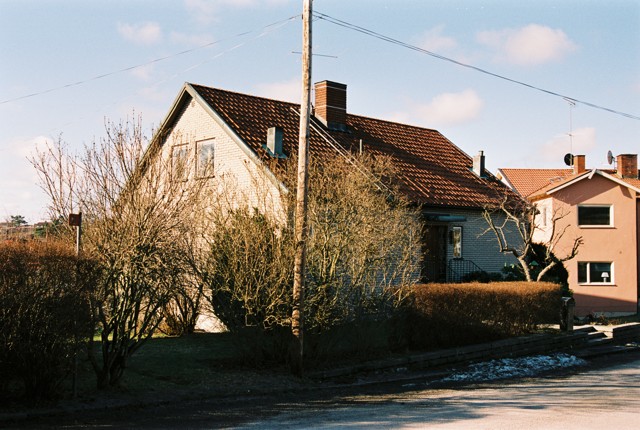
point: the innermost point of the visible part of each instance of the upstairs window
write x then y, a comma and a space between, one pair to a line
205, 159
595, 273
595, 216
179, 162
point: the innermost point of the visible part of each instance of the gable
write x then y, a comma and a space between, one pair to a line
432, 170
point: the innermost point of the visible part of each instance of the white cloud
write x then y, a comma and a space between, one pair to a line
290, 90
146, 33
584, 140
143, 72
433, 40
527, 46
450, 108
206, 11
190, 39
19, 192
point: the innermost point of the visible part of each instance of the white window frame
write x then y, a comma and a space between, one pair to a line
208, 170
611, 280
595, 225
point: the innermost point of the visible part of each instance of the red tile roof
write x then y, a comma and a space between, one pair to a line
433, 171
534, 183
527, 181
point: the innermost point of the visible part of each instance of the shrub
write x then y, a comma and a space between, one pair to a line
44, 315
442, 315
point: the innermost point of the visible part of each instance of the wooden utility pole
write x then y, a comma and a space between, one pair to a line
297, 315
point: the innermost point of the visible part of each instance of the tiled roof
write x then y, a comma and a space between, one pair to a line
433, 171
528, 181
535, 183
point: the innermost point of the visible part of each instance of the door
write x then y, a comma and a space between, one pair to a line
434, 253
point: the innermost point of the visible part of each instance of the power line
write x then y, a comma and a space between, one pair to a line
389, 39
157, 60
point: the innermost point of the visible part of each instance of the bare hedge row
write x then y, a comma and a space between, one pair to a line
44, 316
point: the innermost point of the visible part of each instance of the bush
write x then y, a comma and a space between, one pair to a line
44, 315
444, 315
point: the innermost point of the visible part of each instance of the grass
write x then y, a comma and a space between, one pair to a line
187, 366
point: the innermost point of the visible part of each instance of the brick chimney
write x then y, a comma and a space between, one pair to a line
331, 104
578, 164
628, 166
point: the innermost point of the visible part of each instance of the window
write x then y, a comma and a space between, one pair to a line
179, 160
205, 150
456, 241
595, 273
595, 215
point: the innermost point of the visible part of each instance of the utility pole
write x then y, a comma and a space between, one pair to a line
301, 227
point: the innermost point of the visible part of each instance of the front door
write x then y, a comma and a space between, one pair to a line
434, 253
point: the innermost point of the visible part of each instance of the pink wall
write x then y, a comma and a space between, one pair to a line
617, 244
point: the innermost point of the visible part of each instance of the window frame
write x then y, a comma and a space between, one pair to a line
586, 206
587, 268
210, 173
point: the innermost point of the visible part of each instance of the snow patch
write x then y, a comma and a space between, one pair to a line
515, 367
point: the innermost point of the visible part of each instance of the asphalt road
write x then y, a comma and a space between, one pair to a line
599, 398
602, 395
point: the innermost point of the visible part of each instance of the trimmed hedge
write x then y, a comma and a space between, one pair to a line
445, 315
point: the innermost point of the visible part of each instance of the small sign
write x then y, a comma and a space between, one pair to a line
75, 220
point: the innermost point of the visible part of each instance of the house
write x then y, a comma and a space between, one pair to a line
246, 136
603, 207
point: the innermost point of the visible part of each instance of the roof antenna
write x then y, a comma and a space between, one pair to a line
572, 104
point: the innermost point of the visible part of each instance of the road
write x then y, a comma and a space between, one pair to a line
599, 396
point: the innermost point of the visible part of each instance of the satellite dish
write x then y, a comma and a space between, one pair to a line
568, 159
609, 157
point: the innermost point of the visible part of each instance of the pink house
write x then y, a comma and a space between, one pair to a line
602, 207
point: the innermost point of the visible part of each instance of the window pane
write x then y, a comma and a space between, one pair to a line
594, 215
600, 272
205, 158
179, 159
457, 242
582, 272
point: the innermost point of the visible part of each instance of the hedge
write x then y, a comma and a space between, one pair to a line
444, 315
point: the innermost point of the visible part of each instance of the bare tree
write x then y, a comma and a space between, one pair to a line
521, 217
363, 249
133, 214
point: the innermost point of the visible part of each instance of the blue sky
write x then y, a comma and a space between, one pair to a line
587, 50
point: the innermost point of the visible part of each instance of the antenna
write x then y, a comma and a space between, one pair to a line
572, 104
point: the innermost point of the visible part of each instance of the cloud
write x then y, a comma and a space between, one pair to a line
190, 39
146, 33
433, 40
584, 140
207, 11
450, 108
19, 192
290, 90
528, 46
143, 72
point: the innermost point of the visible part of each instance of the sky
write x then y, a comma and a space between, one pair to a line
66, 66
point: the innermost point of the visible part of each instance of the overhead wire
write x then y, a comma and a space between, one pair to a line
156, 60
372, 33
